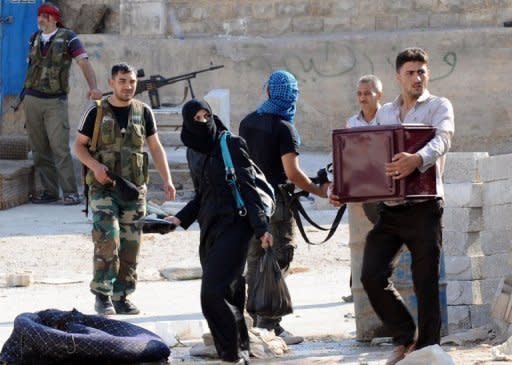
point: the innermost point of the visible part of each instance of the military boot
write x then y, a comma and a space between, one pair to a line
124, 306
103, 305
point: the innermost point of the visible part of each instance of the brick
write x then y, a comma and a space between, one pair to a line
307, 24
345, 8
386, 22
478, 18
423, 5
444, 20
279, 26
198, 13
412, 21
397, 6
370, 7
363, 23
257, 27
292, 8
463, 219
183, 13
263, 10
452, 6
496, 168
464, 195
475, 5
457, 243
337, 24
463, 167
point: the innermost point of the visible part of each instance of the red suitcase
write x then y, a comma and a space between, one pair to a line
359, 155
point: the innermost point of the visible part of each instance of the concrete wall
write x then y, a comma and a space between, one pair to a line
467, 66
270, 18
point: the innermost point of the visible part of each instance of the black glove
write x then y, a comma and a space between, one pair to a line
156, 225
126, 189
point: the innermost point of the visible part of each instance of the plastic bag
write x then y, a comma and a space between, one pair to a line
269, 296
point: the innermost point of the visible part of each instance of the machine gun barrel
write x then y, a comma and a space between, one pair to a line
155, 82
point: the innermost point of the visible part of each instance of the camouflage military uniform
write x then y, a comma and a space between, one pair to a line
46, 109
116, 238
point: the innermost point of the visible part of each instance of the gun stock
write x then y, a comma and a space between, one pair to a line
19, 99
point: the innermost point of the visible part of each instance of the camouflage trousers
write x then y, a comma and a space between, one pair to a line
116, 242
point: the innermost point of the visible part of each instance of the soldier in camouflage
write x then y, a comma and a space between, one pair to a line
52, 50
123, 125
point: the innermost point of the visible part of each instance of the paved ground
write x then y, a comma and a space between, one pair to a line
53, 243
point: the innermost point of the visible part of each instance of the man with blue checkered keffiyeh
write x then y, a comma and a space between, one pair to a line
273, 143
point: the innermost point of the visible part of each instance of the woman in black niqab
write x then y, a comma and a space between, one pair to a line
224, 234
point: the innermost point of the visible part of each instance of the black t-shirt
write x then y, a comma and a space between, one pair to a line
86, 125
268, 138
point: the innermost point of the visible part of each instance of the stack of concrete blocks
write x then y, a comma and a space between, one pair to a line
475, 235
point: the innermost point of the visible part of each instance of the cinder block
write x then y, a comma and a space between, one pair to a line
462, 268
496, 241
471, 292
468, 316
497, 217
477, 267
497, 192
463, 219
480, 315
458, 318
412, 21
456, 243
463, 167
463, 195
386, 22
496, 168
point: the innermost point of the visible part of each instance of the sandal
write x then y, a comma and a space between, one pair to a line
43, 198
71, 199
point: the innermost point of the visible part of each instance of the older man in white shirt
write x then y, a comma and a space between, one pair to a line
369, 93
415, 223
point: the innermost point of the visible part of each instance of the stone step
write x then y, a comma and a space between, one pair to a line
168, 117
170, 138
180, 177
182, 198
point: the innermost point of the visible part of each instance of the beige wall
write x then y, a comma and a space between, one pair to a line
271, 18
470, 67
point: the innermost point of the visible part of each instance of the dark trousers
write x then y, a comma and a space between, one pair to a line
418, 226
281, 227
223, 288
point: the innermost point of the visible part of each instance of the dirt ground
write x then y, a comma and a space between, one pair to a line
54, 246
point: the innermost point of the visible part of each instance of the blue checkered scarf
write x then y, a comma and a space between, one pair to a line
283, 94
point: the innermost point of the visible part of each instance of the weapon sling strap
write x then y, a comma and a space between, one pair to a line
293, 203
92, 149
96, 130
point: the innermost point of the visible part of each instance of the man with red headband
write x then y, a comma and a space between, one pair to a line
51, 52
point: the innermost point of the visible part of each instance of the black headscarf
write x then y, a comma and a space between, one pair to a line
200, 136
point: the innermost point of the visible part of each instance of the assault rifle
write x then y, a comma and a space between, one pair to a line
155, 82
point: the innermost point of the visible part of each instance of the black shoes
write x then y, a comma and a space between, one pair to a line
103, 305
124, 306
43, 198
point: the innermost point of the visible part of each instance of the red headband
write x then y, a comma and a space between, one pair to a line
50, 10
